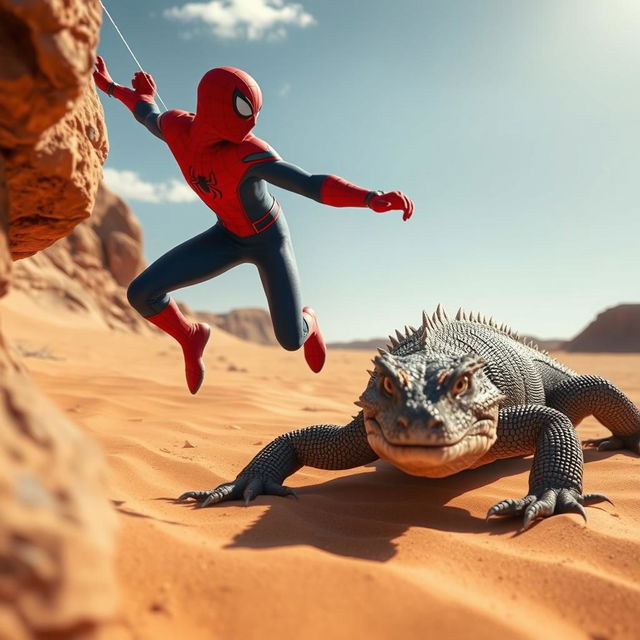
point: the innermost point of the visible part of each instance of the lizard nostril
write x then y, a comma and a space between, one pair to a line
435, 424
403, 423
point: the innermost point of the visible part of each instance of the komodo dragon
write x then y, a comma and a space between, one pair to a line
454, 395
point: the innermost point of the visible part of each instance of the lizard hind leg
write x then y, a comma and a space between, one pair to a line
614, 443
581, 396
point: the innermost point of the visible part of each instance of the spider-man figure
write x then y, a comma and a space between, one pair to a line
228, 167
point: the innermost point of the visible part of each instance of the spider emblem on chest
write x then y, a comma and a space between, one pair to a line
205, 185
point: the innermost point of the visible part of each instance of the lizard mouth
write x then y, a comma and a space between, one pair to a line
433, 459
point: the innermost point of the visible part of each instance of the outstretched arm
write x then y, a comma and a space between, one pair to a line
329, 189
139, 100
322, 446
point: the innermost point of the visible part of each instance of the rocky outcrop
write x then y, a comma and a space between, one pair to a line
615, 330
56, 529
56, 525
120, 236
88, 271
53, 154
253, 325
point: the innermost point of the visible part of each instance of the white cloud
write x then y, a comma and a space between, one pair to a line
284, 90
251, 19
129, 185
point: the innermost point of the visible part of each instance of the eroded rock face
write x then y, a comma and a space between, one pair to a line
47, 49
51, 122
56, 524
120, 234
87, 272
615, 330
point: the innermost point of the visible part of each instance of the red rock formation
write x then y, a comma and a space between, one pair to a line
120, 234
614, 330
253, 325
56, 529
47, 52
88, 271
56, 545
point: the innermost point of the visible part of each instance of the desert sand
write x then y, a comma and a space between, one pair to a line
363, 553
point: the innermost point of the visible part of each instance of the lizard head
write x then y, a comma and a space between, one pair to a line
430, 416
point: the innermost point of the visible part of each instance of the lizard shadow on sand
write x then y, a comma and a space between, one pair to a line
361, 515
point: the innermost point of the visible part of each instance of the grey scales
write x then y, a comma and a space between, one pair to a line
456, 394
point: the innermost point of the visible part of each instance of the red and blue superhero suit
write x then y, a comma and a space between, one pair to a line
228, 167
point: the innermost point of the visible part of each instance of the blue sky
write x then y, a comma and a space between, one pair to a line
514, 126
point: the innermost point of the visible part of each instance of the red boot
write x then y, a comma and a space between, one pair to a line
315, 351
191, 337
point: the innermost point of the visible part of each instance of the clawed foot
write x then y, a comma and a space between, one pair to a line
546, 503
614, 443
241, 488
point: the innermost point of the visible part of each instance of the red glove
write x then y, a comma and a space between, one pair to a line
101, 75
383, 202
144, 87
337, 192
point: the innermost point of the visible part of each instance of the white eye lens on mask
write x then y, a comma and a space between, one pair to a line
242, 107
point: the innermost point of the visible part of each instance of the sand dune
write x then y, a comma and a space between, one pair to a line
366, 553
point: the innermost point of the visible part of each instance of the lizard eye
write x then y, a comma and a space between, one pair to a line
461, 385
388, 386
241, 105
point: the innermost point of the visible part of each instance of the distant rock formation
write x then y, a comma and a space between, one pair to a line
615, 330
87, 272
375, 343
369, 345
56, 524
120, 236
253, 325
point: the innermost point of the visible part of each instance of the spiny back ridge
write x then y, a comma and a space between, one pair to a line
415, 338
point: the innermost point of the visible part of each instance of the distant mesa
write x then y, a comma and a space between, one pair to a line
370, 345
253, 325
615, 330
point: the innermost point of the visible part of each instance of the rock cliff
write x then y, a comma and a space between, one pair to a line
51, 127
56, 528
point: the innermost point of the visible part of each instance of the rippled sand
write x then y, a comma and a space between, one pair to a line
365, 553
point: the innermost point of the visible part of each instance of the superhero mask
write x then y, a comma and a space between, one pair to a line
228, 104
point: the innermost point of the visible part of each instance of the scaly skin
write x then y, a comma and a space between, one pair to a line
454, 395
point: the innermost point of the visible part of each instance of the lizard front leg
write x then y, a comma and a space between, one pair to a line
581, 396
321, 446
555, 481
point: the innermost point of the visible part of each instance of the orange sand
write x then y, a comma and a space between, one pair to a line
366, 553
